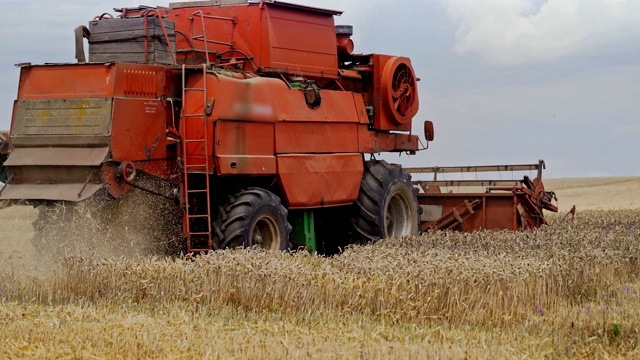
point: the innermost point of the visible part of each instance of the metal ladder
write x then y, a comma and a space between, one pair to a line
197, 234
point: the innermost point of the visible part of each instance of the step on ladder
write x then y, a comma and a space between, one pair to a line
197, 167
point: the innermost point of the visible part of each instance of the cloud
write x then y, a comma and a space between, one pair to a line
515, 32
626, 130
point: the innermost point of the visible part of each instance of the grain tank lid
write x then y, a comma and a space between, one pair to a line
315, 10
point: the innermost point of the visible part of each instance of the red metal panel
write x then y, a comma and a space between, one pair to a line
371, 142
336, 106
275, 38
138, 134
139, 81
314, 137
246, 165
73, 81
406, 142
361, 109
248, 99
320, 180
250, 145
69, 81
268, 99
244, 138
243, 32
302, 42
496, 212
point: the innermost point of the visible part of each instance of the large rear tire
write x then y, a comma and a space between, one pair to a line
254, 218
387, 204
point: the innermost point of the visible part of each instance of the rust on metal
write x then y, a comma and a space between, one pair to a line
505, 204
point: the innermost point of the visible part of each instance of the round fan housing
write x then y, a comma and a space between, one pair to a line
399, 91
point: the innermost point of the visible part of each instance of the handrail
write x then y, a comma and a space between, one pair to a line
435, 170
458, 183
473, 168
146, 35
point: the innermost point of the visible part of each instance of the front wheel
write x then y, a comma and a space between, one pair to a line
387, 204
254, 218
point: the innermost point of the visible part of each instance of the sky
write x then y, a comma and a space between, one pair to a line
504, 81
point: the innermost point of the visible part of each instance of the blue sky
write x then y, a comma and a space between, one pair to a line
505, 81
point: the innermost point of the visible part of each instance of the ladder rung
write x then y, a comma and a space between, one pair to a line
197, 191
196, 168
193, 115
195, 89
199, 233
192, 141
198, 216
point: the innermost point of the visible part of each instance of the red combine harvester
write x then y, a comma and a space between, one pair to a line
254, 116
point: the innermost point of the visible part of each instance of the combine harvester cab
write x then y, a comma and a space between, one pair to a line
254, 117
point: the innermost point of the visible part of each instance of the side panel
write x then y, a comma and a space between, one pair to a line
336, 106
61, 122
276, 39
69, 81
244, 148
138, 134
267, 99
320, 137
320, 180
301, 42
496, 212
371, 142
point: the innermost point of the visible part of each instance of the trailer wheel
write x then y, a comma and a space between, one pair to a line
387, 204
255, 218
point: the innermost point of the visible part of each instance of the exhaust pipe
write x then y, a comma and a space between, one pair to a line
81, 33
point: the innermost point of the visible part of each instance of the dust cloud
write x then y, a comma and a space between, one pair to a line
34, 241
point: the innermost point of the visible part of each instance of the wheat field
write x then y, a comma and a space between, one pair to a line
570, 290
